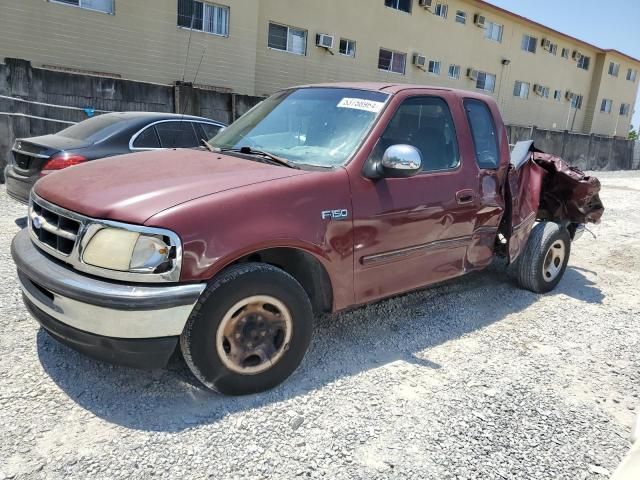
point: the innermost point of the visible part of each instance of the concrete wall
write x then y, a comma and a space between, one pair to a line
586, 152
38, 101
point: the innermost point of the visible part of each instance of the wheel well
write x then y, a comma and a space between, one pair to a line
302, 266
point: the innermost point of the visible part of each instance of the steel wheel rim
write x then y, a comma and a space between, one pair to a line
553, 261
254, 334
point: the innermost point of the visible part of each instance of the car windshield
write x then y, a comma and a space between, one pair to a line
313, 126
93, 129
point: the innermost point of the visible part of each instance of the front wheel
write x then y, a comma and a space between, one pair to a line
249, 331
543, 262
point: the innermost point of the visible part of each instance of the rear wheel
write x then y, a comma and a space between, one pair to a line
543, 262
249, 331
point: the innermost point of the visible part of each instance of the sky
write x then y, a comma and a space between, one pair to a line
611, 24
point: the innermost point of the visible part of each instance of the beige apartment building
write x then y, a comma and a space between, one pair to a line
539, 76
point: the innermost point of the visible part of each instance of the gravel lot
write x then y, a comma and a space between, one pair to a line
474, 379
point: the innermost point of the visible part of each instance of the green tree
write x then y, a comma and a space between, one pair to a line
633, 135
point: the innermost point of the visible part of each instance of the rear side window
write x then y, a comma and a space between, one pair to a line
425, 123
147, 139
483, 131
177, 135
210, 130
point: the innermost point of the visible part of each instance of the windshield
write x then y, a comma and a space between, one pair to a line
90, 128
316, 126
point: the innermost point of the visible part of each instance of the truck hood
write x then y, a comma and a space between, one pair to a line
132, 188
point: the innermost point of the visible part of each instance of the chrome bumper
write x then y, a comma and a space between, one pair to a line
99, 307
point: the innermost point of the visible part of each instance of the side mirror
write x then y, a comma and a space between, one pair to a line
400, 161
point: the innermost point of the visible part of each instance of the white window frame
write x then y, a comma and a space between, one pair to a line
397, 7
606, 106
461, 17
434, 67
521, 89
632, 75
584, 60
491, 27
614, 69
80, 5
441, 10
486, 75
576, 101
393, 54
289, 29
625, 109
530, 41
353, 43
455, 69
206, 8
554, 49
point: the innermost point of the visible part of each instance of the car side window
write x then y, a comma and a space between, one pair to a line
177, 135
483, 132
425, 123
210, 130
147, 139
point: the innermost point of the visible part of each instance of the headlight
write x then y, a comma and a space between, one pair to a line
126, 251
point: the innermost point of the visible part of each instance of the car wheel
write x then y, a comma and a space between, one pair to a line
249, 330
544, 260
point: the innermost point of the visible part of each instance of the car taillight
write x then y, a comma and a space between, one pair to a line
60, 161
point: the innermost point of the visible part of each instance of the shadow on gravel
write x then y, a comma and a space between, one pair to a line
346, 344
22, 222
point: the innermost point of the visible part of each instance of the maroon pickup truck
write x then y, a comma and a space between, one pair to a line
319, 199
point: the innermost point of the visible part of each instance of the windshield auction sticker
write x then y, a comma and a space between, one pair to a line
361, 104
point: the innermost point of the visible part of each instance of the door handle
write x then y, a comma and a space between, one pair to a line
465, 196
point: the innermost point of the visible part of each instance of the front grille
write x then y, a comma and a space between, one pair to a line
21, 160
53, 229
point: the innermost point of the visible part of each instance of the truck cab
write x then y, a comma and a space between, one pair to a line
321, 198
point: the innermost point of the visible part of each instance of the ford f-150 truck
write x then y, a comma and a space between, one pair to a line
319, 199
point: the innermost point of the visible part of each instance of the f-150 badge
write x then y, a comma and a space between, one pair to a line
335, 214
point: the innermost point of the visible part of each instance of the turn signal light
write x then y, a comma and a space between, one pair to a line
60, 161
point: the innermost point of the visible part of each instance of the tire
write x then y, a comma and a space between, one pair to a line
543, 262
249, 330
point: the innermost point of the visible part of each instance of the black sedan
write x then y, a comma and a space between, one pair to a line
99, 137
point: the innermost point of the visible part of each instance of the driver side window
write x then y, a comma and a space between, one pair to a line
426, 124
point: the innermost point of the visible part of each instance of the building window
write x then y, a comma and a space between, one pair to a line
461, 17
614, 69
576, 101
583, 63
529, 43
565, 53
557, 95
553, 50
404, 5
521, 89
287, 39
434, 67
625, 108
606, 105
454, 71
347, 47
486, 82
205, 17
632, 75
390, 61
494, 32
441, 10
106, 6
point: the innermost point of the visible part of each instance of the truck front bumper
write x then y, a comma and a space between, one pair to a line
128, 324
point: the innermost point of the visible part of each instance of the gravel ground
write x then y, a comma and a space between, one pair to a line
474, 379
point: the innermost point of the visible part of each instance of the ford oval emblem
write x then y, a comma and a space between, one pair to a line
37, 223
